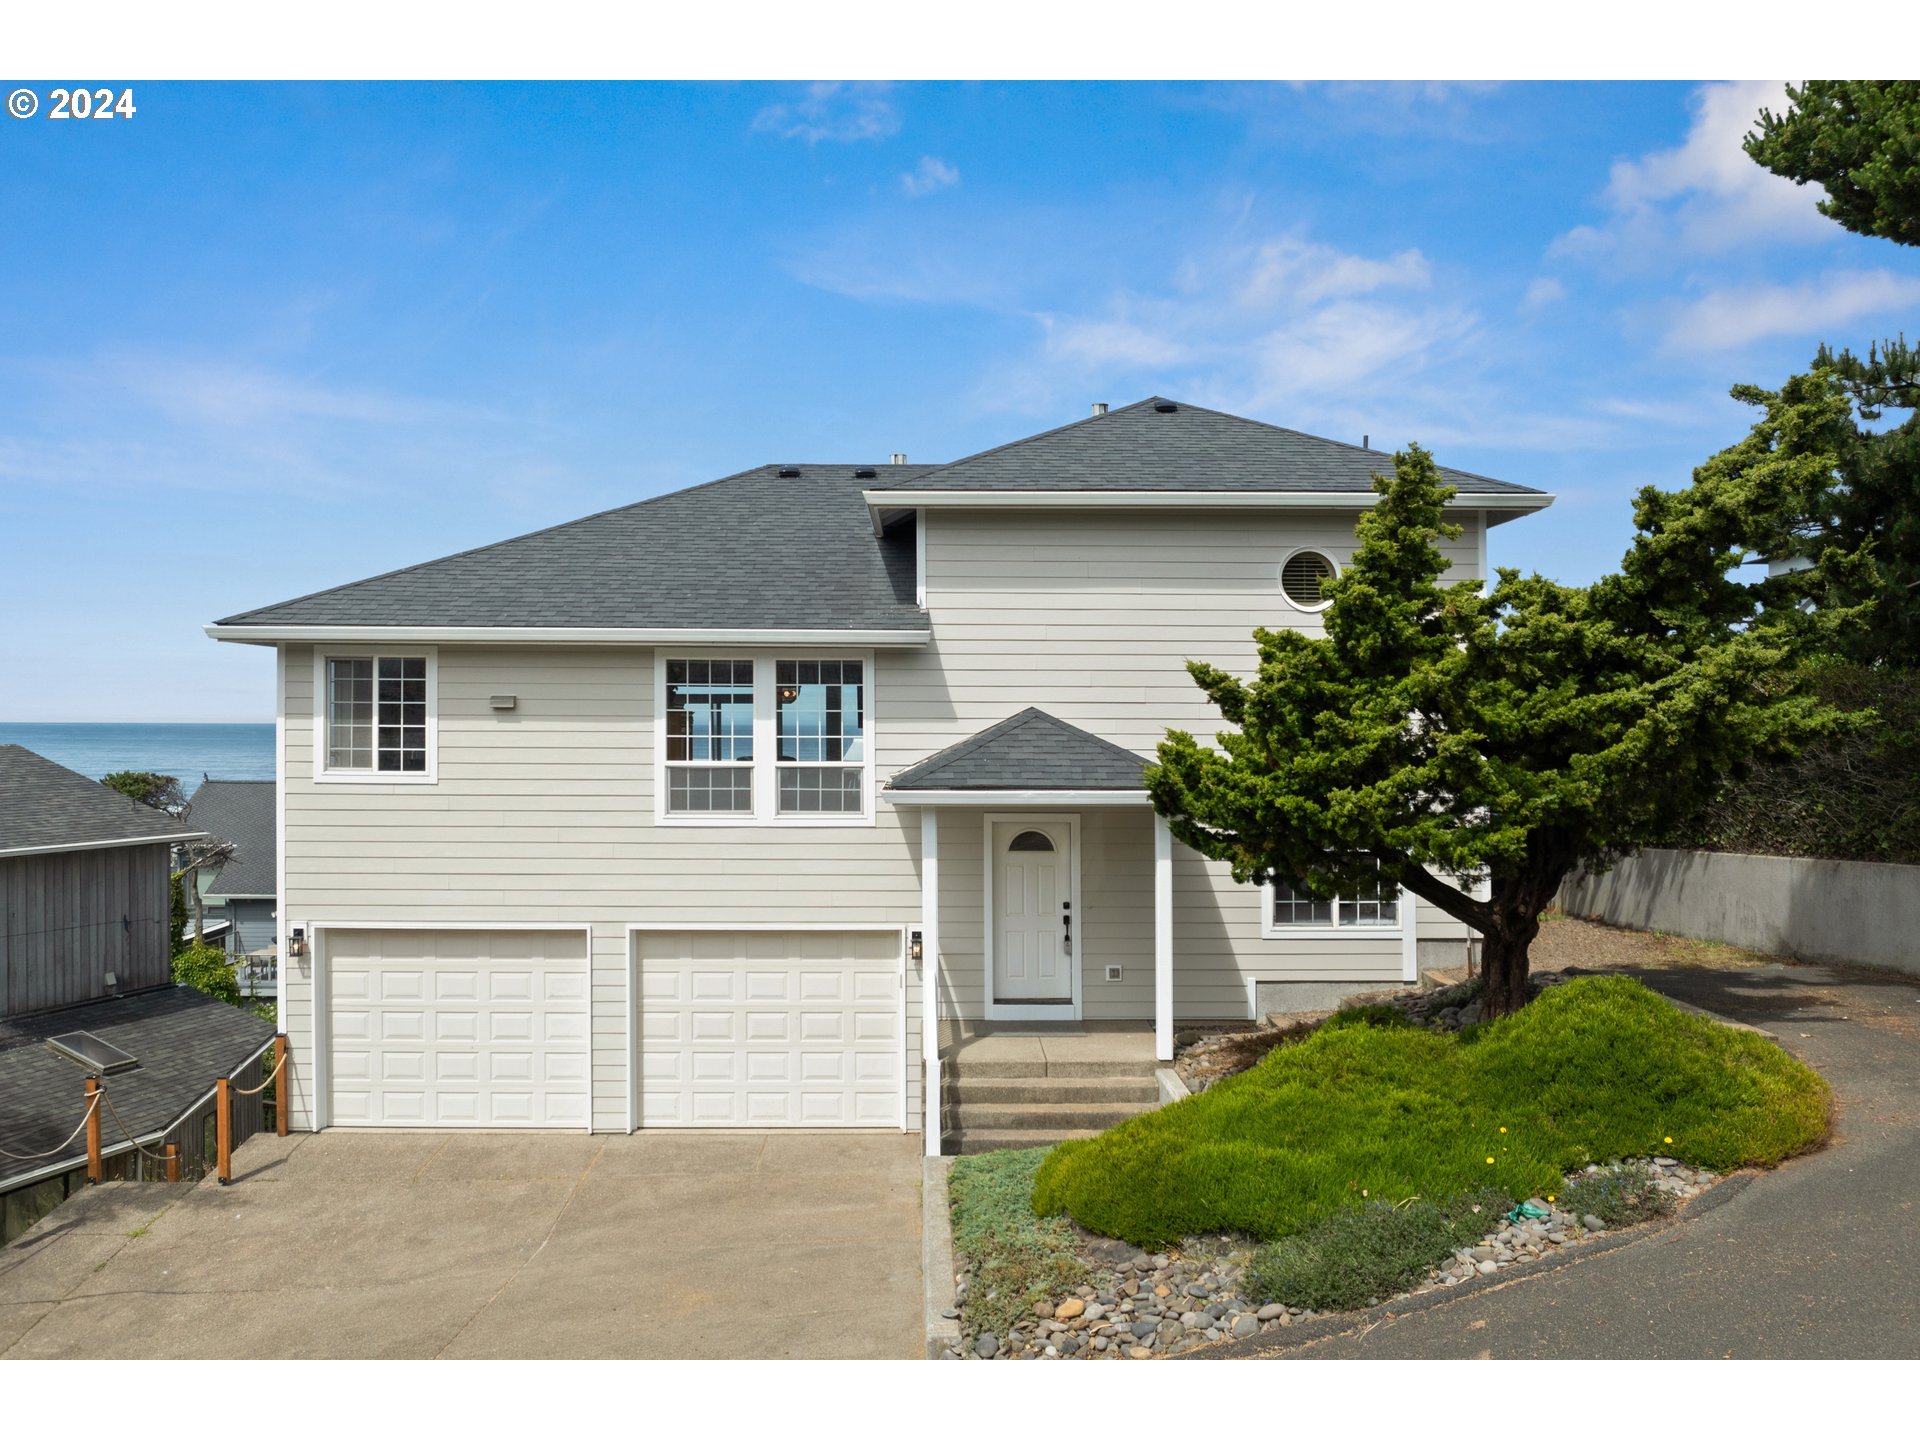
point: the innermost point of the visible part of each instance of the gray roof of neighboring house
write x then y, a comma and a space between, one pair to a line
44, 805
1146, 447
1028, 751
757, 550
181, 1038
240, 812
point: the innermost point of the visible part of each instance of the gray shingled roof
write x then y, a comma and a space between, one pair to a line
1141, 448
757, 550
1028, 751
181, 1038
44, 804
241, 813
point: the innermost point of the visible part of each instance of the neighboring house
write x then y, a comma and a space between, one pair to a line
241, 894
692, 812
85, 950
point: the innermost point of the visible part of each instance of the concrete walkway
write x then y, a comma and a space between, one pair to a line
1812, 1261
368, 1244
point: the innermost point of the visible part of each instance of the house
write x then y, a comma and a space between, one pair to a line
86, 985
240, 894
742, 806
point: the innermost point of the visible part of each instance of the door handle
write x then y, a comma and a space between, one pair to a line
1066, 921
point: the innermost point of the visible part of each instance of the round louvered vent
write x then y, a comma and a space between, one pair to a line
1304, 578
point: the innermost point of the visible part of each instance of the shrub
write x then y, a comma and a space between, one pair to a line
1017, 1257
1364, 1253
1617, 1194
207, 969
1595, 1069
1381, 1017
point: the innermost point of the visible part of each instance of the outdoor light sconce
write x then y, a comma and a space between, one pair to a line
915, 947
297, 944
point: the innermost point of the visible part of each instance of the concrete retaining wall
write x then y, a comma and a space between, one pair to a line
1843, 910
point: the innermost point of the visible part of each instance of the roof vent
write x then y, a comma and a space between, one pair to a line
899, 458
91, 1051
865, 473
789, 472
1099, 407
1166, 407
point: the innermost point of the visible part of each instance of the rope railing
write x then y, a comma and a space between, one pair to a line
270, 1078
224, 1093
150, 1154
93, 1103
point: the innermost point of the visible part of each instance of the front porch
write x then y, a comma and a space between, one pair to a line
1046, 905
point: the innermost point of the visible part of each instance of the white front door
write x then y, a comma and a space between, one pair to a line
1033, 913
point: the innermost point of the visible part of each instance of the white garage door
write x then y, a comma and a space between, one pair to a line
752, 1029
458, 1027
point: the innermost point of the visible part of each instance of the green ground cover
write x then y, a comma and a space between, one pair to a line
1594, 1070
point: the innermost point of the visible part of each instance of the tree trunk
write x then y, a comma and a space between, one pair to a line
199, 910
1503, 970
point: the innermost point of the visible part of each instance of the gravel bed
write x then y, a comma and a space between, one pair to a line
1146, 1304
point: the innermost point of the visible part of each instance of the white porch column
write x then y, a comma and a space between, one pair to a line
1162, 939
930, 969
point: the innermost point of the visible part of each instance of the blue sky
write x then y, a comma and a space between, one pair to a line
262, 339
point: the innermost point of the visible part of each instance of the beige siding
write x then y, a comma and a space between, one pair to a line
544, 814
1092, 618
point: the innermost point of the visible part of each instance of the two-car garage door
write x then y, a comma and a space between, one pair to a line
491, 1029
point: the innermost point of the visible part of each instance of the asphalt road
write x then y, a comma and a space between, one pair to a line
1819, 1259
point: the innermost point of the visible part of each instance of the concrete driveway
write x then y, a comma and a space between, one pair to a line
366, 1244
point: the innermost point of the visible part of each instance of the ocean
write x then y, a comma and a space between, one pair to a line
186, 752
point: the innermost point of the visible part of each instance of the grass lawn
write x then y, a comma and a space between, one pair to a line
1594, 1070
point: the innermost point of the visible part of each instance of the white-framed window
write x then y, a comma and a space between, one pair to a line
1373, 908
761, 737
1303, 578
376, 716
709, 721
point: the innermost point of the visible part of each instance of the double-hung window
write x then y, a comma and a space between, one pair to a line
376, 717
766, 739
822, 759
710, 737
1374, 905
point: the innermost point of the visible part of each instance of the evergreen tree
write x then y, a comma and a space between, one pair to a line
1857, 139
1437, 736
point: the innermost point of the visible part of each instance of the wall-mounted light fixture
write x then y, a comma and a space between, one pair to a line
915, 948
297, 943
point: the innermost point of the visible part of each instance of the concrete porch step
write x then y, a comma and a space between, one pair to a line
1089, 1117
1049, 1090
966, 1067
977, 1142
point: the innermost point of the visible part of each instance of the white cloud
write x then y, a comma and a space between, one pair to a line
831, 110
931, 174
1283, 323
1541, 293
1704, 196
1726, 319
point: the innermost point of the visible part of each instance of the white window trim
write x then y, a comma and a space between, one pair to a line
1280, 576
766, 777
322, 775
1271, 931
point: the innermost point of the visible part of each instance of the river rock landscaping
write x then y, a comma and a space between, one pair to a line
1136, 1304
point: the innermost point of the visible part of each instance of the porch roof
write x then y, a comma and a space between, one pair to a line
1025, 753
